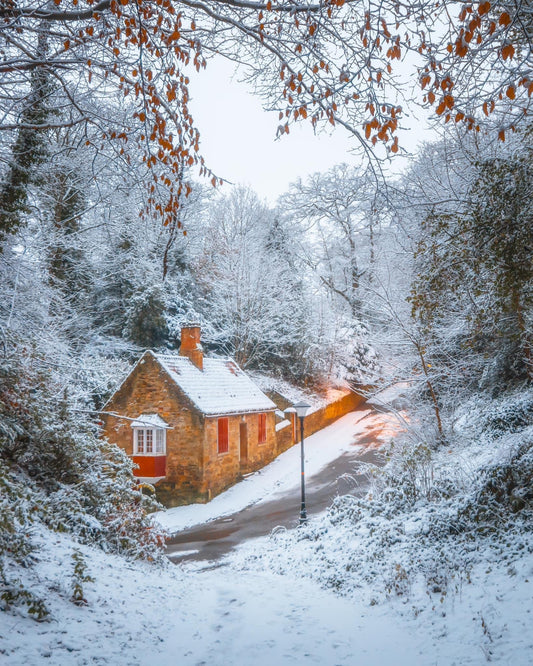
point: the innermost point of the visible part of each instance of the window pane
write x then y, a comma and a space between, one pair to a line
149, 441
160, 441
223, 438
140, 441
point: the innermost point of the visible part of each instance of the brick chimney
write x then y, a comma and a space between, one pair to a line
190, 345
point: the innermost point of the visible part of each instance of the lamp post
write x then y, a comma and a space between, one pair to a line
301, 409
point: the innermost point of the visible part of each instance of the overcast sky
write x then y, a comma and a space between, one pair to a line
238, 138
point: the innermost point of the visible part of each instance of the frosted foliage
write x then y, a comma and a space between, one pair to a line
429, 519
55, 471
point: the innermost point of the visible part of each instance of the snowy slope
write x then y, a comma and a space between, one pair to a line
298, 597
138, 615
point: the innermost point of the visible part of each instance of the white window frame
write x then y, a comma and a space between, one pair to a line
158, 441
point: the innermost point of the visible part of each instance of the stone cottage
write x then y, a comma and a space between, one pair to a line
193, 424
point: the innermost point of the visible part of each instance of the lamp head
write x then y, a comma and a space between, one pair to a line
301, 409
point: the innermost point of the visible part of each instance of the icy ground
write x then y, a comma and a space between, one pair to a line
243, 612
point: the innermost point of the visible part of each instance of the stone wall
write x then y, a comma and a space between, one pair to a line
317, 420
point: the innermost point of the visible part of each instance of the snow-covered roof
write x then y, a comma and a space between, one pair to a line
220, 388
149, 421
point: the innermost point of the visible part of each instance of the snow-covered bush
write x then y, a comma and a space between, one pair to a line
428, 516
55, 471
505, 488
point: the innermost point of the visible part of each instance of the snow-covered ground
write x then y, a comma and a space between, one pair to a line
284, 473
264, 606
139, 615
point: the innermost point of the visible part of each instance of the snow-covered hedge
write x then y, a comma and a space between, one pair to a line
56, 472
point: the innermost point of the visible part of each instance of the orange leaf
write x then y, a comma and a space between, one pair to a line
461, 49
508, 51
501, 135
431, 97
66, 44
484, 8
505, 19
511, 92
441, 108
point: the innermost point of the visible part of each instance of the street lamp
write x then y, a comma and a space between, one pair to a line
301, 409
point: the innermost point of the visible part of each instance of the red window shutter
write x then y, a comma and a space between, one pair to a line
223, 435
262, 428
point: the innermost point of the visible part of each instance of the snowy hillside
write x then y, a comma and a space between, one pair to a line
384, 579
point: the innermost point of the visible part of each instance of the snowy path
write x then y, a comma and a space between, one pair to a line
138, 615
217, 538
263, 619
350, 434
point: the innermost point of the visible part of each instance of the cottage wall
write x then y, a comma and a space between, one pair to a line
245, 454
259, 455
220, 469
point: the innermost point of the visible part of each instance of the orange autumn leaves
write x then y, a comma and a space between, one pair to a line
479, 24
148, 44
477, 30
